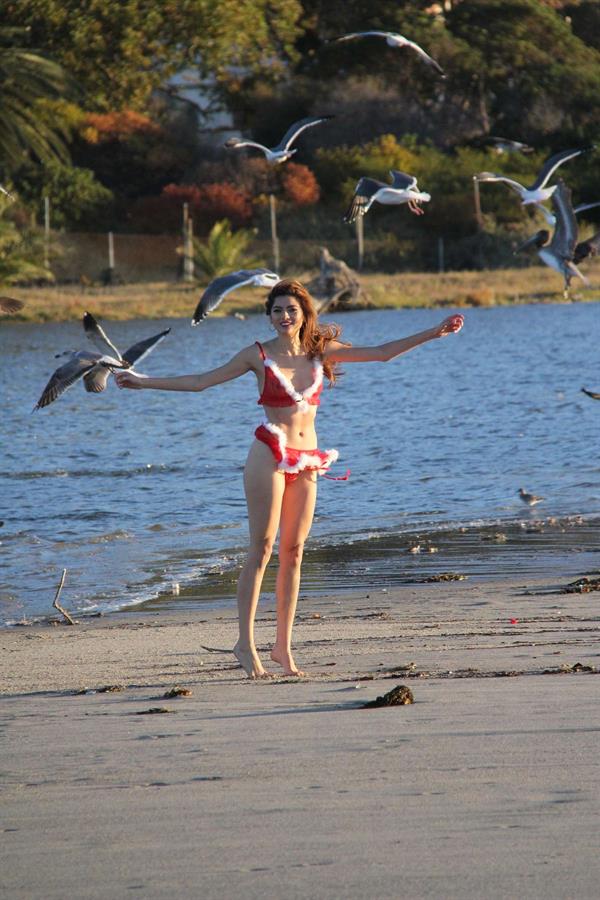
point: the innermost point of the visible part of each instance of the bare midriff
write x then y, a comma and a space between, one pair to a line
298, 427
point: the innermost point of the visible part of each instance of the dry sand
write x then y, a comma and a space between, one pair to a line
486, 787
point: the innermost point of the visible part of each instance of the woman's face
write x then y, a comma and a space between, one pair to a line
287, 316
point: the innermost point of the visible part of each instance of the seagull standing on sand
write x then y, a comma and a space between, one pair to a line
538, 192
403, 189
396, 40
529, 499
558, 253
223, 285
282, 151
94, 367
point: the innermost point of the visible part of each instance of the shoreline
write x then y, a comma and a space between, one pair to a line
159, 794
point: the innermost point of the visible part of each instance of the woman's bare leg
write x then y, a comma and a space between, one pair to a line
264, 488
297, 511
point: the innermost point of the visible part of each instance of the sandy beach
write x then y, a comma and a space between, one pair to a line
487, 786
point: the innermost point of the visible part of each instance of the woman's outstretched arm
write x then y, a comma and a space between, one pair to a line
337, 352
241, 363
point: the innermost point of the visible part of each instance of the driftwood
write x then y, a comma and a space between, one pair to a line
57, 605
337, 286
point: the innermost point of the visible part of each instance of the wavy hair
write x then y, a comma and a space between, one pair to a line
313, 336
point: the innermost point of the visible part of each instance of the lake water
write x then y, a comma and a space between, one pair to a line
133, 491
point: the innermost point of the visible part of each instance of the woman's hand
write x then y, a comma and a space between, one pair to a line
129, 380
449, 326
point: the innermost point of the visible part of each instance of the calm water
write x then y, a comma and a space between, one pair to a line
133, 491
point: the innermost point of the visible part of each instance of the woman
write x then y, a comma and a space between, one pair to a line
280, 477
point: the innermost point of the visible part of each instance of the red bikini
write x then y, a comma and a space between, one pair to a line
278, 391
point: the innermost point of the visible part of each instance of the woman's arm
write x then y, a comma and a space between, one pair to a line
241, 363
337, 352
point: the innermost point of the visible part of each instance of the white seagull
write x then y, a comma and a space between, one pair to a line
538, 192
93, 366
224, 284
403, 189
396, 40
506, 145
558, 252
282, 151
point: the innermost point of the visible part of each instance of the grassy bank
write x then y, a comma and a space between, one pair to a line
536, 284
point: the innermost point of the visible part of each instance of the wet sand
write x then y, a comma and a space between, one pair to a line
487, 786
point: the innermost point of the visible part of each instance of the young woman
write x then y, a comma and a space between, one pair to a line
280, 477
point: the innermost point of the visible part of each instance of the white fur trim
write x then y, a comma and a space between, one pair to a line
305, 460
303, 397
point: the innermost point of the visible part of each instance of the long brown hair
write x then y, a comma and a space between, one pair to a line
313, 336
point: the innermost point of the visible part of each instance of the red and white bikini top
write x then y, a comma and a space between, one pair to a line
279, 390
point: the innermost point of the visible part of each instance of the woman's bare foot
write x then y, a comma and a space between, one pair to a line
286, 661
250, 662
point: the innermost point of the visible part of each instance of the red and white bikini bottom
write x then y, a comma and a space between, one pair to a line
291, 461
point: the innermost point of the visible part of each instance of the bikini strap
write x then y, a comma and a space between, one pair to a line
262, 352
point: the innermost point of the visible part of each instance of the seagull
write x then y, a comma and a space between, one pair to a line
282, 151
10, 306
93, 366
558, 252
403, 189
529, 499
223, 285
551, 218
592, 394
538, 192
505, 145
396, 40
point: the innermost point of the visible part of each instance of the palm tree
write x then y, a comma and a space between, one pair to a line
27, 79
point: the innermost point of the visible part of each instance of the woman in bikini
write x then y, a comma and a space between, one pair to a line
280, 477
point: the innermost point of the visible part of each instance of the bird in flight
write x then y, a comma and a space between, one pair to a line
551, 218
94, 366
506, 145
403, 189
593, 394
539, 190
558, 252
395, 40
282, 151
224, 284
10, 306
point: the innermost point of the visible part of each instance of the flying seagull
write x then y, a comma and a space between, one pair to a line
223, 285
558, 252
506, 145
529, 499
93, 366
403, 189
538, 192
396, 40
593, 394
282, 151
10, 306
551, 218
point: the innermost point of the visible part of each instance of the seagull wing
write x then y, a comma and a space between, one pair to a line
96, 379
235, 143
552, 164
565, 233
583, 206
138, 351
491, 176
295, 129
424, 56
583, 249
66, 376
363, 197
9, 305
98, 336
217, 289
357, 34
402, 181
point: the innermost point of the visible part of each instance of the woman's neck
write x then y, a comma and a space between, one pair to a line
288, 346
